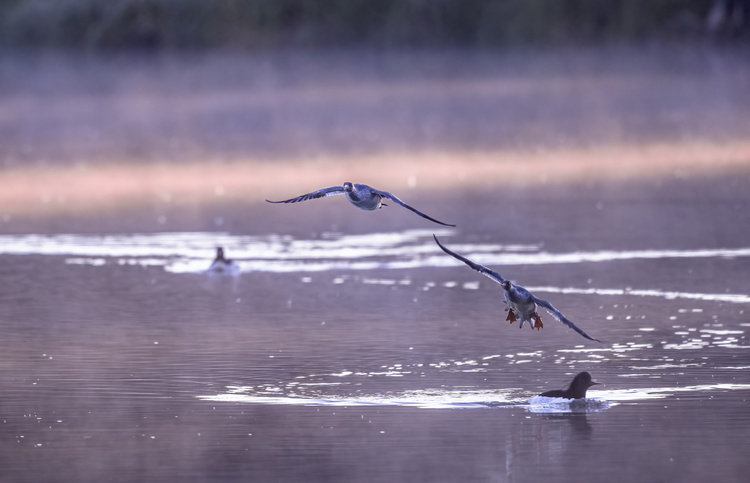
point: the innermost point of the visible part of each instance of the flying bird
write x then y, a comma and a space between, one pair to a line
522, 304
361, 196
577, 388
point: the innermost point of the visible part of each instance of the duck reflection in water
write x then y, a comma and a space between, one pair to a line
578, 422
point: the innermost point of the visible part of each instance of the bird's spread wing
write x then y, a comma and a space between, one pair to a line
479, 268
394, 198
559, 316
333, 190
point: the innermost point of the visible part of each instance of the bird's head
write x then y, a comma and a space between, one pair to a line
219, 252
584, 378
580, 385
348, 187
506, 284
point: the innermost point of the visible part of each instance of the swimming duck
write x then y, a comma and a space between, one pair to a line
361, 196
577, 388
521, 303
220, 263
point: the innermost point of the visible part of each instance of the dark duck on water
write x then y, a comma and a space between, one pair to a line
221, 263
577, 388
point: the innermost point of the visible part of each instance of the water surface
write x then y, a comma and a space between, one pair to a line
362, 357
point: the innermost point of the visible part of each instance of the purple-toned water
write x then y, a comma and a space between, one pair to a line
346, 346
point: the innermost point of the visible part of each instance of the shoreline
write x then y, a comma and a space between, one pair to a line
47, 191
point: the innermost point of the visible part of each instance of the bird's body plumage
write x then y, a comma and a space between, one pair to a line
361, 196
522, 304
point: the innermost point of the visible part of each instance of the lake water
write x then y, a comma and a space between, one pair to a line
370, 356
348, 347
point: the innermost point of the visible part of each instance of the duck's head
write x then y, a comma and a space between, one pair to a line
581, 383
348, 187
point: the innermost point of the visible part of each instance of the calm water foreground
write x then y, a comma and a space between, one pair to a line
373, 356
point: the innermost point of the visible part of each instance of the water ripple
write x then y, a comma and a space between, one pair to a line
192, 252
470, 399
669, 295
640, 394
425, 399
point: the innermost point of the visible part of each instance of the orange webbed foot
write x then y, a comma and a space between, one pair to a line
511, 316
538, 322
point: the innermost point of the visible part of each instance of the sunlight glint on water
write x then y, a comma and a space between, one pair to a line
192, 252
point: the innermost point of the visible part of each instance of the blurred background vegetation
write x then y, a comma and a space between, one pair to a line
250, 24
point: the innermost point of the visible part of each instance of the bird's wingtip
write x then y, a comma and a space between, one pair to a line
592, 338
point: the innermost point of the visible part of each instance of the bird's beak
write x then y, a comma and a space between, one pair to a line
592, 383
